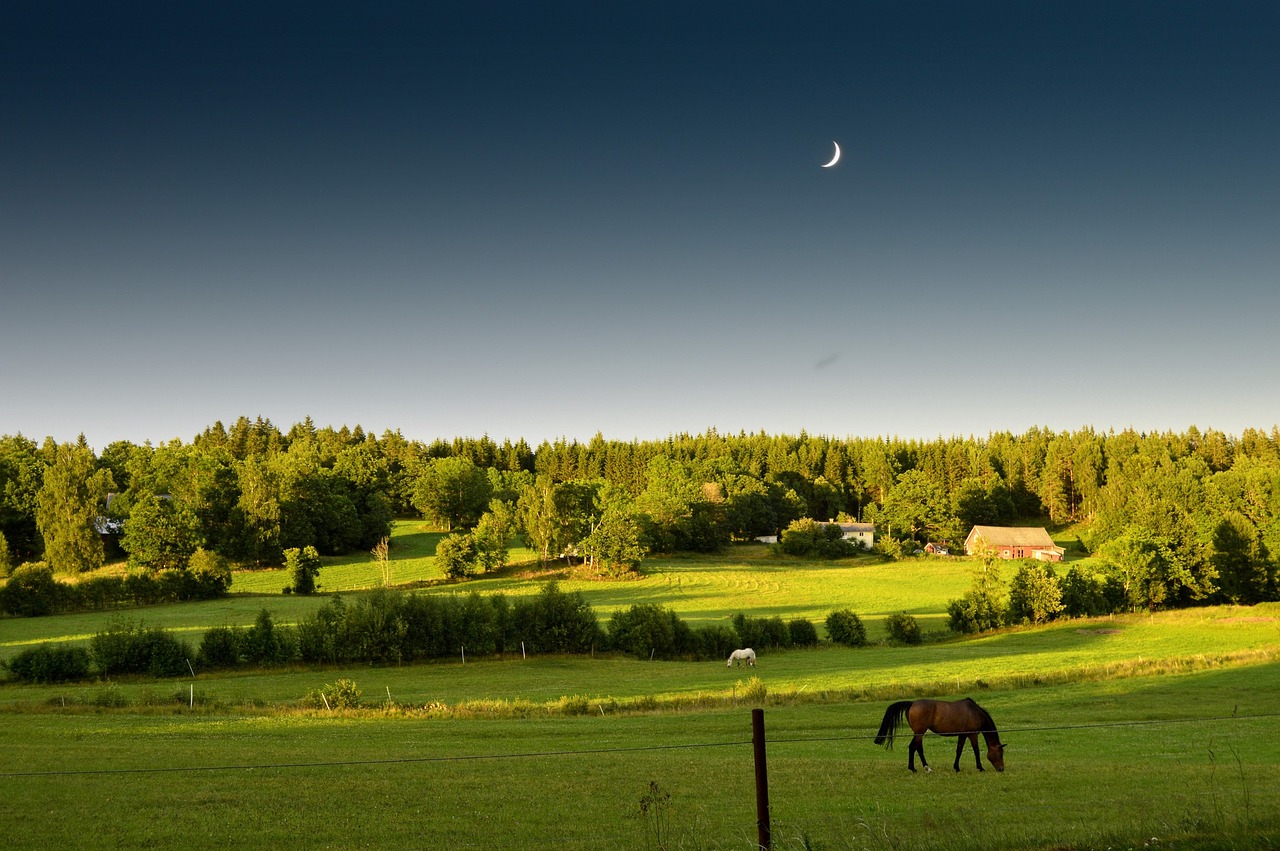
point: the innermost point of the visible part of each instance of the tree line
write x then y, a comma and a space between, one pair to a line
1182, 517
392, 627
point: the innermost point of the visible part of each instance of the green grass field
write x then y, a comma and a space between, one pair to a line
1090, 765
703, 590
1127, 732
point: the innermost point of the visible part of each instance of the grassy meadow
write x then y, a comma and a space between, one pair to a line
1127, 732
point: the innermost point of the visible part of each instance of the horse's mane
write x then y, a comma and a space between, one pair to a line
988, 723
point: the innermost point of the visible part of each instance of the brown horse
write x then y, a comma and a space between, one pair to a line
962, 718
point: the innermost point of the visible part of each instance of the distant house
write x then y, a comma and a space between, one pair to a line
862, 532
1014, 542
106, 525
936, 549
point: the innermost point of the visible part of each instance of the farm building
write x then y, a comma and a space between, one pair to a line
864, 532
1014, 542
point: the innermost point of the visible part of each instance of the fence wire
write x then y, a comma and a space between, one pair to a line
596, 751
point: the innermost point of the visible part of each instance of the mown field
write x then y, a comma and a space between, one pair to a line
702, 590
1128, 732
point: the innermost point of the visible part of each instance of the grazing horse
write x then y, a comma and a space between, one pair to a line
746, 655
963, 719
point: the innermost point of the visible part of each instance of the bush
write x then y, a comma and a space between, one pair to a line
1035, 595
976, 611
303, 566
803, 633
126, 648
221, 647
340, 695
457, 555
31, 591
903, 628
715, 642
556, 622
1084, 594
761, 633
264, 644
807, 537
845, 627
645, 630
211, 574
50, 664
754, 691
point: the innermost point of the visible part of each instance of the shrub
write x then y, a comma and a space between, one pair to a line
715, 642
1084, 594
903, 628
303, 566
806, 537
31, 591
761, 632
322, 636
976, 611
48, 663
377, 631
753, 691
340, 695
845, 627
125, 648
556, 622
211, 574
1035, 595
645, 630
264, 644
221, 647
457, 555
803, 633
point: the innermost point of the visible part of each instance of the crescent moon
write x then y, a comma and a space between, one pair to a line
836, 158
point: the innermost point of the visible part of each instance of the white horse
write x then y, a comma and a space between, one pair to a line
747, 655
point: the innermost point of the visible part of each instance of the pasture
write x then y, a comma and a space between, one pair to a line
1114, 763
1133, 731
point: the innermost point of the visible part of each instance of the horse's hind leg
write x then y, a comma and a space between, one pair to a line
960, 741
917, 747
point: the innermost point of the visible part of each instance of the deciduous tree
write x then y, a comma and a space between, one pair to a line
71, 499
452, 492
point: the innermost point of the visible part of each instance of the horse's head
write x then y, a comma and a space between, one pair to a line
995, 755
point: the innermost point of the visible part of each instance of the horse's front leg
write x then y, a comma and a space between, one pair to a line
960, 740
977, 757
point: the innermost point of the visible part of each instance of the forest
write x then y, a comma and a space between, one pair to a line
1181, 518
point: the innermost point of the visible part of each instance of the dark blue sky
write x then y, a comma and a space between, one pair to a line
545, 219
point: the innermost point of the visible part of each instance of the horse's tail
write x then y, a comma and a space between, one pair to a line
892, 718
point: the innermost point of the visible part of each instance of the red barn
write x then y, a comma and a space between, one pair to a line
1014, 542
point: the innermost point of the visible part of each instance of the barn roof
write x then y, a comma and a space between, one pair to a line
1012, 536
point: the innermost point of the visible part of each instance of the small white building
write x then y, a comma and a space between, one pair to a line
861, 532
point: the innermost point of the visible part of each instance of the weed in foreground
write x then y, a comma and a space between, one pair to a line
655, 817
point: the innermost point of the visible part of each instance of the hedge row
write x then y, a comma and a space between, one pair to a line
388, 626
32, 590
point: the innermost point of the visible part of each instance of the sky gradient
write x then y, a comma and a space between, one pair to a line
555, 219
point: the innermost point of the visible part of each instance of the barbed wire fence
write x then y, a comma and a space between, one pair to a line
757, 741
546, 754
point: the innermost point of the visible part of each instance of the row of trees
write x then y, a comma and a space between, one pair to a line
1202, 508
393, 627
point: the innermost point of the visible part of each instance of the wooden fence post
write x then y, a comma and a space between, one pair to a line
763, 833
